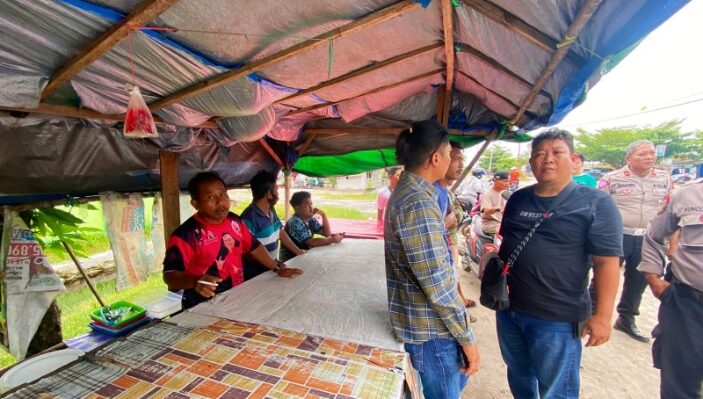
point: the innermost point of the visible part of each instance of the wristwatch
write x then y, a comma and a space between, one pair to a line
279, 265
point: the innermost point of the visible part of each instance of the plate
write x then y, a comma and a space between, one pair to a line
37, 367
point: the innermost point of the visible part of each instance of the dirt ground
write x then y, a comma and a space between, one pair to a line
621, 368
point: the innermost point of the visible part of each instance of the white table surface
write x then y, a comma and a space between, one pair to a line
341, 295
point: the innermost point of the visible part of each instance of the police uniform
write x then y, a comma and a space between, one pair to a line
639, 199
678, 343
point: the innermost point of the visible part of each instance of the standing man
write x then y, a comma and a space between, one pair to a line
385, 193
263, 222
639, 191
426, 312
580, 177
540, 334
453, 213
204, 254
678, 348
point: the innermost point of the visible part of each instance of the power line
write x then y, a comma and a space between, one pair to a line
635, 113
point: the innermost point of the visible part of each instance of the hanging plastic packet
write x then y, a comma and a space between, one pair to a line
139, 123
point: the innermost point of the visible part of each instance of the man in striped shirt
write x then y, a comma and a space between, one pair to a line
263, 222
427, 314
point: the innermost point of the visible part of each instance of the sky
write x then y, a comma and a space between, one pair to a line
666, 69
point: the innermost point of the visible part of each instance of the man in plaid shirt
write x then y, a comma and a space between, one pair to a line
426, 312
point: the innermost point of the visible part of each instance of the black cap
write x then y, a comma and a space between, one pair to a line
500, 175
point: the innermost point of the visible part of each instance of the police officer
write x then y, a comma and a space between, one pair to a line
678, 338
638, 190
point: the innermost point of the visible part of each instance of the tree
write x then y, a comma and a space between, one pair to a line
609, 145
497, 158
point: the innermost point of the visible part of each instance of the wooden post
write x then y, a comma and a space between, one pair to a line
471, 164
170, 191
286, 205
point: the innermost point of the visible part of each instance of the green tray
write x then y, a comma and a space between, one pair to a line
136, 312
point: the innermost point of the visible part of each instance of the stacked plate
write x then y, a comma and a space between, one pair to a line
118, 318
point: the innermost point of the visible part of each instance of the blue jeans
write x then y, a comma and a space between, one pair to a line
439, 362
542, 356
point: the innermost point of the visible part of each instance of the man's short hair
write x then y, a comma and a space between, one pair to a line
393, 170
635, 144
201, 178
262, 183
456, 144
581, 156
298, 198
554, 134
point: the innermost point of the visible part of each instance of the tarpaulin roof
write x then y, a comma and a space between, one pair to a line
333, 80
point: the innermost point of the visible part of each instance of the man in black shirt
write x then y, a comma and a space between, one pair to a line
540, 334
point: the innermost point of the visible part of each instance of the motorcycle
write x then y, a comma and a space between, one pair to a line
479, 243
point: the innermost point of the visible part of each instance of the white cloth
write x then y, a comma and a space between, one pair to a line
342, 295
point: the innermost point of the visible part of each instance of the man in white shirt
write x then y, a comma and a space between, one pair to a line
385, 193
470, 188
493, 203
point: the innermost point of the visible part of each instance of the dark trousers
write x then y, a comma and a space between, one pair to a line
635, 284
678, 343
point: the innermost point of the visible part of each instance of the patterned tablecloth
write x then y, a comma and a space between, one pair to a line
226, 359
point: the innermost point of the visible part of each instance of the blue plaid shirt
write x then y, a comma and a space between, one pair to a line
422, 288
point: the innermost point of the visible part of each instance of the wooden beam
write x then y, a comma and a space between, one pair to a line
520, 27
85, 113
376, 90
509, 101
582, 18
440, 103
271, 152
448, 25
147, 11
446, 107
307, 143
363, 71
499, 67
471, 164
286, 204
356, 130
170, 191
372, 19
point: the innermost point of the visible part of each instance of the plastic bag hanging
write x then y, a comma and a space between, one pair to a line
139, 123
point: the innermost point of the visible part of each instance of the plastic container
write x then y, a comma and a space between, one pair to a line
122, 331
37, 367
135, 312
164, 306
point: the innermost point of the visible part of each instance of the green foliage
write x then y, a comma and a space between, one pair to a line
51, 226
77, 305
608, 145
497, 157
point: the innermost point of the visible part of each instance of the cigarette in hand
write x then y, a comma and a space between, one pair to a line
207, 283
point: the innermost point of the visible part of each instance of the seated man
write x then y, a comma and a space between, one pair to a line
302, 226
262, 221
493, 203
204, 254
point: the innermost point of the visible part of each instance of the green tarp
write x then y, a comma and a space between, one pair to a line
358, 161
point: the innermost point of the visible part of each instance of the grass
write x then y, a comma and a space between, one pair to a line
76, 306
356, 196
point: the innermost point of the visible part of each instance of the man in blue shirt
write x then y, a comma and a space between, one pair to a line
550, 308
263, 222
